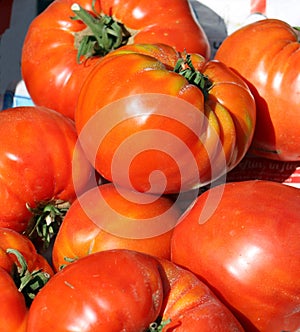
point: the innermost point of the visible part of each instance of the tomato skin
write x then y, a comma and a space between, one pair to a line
114, 290
39, 160
54, 55
191, 306
216, 133
13, 315
247, 251
271, 48
84, 231
14, 309
10, 239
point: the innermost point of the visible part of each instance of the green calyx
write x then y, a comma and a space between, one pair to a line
28, 283
46, 220
102, 34
185, 67
158, 326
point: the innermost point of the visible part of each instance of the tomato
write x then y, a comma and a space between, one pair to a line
114, 290
108, 218
266, 54
247, 251
147, 123
190, 306
50, 68
40, 161
13, 315
23, 272
10, 239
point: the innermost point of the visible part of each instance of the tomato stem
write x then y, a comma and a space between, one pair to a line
28, 283
158, 326
46, 220
185, 67
102, 35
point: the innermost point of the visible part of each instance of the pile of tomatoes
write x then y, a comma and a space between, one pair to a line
120, 209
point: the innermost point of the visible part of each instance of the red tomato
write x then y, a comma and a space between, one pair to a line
139, 116
190, 306
114, 290
50, 69
267, 55
10, 239
13, 314
247, 251
23, 272
40, 161
106, 218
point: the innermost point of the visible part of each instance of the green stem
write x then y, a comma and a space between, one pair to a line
185, 68
28, 283
298, 32
158, 326
102, 35
46, 220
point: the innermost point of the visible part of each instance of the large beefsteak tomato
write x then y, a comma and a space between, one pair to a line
124, 290
105, 218
266, 54
247, 251
114, 290
147, 110
50, 68
40, 161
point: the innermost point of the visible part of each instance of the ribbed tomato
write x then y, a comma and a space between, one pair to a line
59, 51
191, 306
40, 162
113, 290
160, 121
266, 54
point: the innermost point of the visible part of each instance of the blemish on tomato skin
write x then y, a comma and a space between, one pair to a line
69, 285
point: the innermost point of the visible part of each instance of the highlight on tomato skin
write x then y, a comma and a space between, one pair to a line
112, 290
40, 164
251, 242
23, 272
191, 306
163, 131
123, 289
108, 217
55, 66
272, 72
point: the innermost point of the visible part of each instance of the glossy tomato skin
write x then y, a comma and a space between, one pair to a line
271, 48
89, 227
13, 248
54, 55
13, 315
191, 306
39, 161
247, 251
114, 290
190, 140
